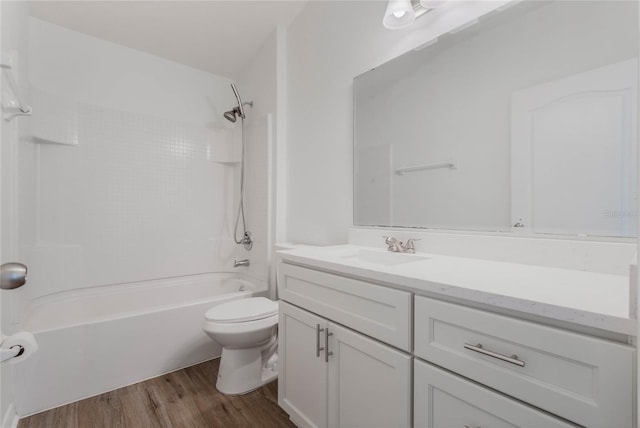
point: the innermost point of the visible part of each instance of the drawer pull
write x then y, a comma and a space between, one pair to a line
326, 345
479, 349
318, 348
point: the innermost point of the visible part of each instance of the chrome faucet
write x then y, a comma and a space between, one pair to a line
396, 246
238, 263
392, 244
409, 246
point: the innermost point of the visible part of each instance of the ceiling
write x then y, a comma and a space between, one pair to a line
220, 37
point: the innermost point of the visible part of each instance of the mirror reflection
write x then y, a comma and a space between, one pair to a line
525, 121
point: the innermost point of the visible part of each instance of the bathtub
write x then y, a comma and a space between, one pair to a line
96, 340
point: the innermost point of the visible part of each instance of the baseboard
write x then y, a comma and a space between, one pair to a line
10, 418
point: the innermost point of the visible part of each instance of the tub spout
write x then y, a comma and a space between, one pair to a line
238, 263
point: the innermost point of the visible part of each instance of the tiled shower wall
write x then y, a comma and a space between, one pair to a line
125, 197
136, 168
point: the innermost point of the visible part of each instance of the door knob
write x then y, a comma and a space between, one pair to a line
12, 275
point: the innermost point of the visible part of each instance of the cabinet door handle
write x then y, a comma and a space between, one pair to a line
326, 345
479, 349
318, 347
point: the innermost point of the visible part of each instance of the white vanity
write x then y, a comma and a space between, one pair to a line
376, 339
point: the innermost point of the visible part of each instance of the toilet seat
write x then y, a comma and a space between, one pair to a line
224, 328
242, 310
246, 329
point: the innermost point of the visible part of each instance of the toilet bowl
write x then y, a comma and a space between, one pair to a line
247, 331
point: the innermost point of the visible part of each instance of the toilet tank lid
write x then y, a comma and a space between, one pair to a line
250, 309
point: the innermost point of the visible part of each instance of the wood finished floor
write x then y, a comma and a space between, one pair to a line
183, 399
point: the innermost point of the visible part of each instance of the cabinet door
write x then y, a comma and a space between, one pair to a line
302, 381
369, 383
445, 400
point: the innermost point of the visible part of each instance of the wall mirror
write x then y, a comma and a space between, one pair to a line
525, 121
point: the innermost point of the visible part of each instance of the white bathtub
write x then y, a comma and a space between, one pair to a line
93, 341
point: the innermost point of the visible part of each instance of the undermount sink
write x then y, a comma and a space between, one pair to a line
384, 258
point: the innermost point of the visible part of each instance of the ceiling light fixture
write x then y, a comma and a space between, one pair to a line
402, 13
399, 14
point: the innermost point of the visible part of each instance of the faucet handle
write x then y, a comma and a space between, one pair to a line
392, 244
409, 246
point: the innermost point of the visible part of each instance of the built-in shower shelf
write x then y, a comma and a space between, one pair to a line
225, 147
40, 140
59, 121
15, 106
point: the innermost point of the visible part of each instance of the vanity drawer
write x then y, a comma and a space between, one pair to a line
380, 312
442, 399
580, 378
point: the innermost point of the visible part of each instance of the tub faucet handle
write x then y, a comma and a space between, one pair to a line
238, 263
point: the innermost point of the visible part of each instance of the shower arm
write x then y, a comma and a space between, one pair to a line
240, 108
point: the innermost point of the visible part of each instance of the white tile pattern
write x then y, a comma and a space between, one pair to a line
136, 199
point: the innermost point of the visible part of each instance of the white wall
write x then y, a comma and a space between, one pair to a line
128, 187
13, 27
328, 44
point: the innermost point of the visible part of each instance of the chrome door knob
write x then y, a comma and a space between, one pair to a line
12, 275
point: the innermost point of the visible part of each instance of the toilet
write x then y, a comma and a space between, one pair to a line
247, 331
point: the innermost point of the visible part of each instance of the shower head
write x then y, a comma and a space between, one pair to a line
230, 115
238, 111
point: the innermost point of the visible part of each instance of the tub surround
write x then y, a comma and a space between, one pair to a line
587, 299
106, 303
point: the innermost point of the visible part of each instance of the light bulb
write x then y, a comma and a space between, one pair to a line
399, 14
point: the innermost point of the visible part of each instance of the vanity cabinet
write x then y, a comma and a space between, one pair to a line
358, 352
377, 311
333, 376
303, 373
578, 377
445, 400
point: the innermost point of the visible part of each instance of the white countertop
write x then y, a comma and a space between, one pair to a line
595, 300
